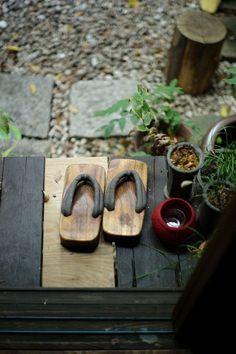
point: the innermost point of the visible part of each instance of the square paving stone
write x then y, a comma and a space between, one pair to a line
28, 100
87, 97
27, 147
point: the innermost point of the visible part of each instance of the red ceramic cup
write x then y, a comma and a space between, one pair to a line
173, 221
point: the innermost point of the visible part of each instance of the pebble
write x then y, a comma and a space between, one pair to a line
3, 24
85, 40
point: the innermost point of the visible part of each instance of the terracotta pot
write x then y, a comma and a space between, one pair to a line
224, 127
184, 133
173, 221
179, 183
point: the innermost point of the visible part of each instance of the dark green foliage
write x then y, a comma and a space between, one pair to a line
145, 109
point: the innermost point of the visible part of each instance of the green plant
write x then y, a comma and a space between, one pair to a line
220, 165
8, 131
149, 111
232, 80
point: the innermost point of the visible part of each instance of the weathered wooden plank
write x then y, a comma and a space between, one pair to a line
21, 217
125, 262
161, 351
98, 326
63, 267
155, 351
155, 265
125, 267
188, 262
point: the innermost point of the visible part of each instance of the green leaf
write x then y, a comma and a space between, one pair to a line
134, 119
168, 91
148, 118
108, 128
122, 104
142, 128
8, 151
4, 123
231, 81
138, 154
15, 132
122, 123
232, 70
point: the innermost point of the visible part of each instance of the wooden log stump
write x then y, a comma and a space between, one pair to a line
195, 51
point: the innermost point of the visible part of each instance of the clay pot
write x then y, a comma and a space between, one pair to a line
179, 183
173, 221
224, 128
184, 133
209, 214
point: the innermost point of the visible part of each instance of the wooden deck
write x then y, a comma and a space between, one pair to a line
27, 238
47, 312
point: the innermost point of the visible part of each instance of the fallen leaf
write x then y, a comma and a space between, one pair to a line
79, 13
13, 48
34, 68
224, 110
33, 89
68, 28
133, 3
59, 76
73, 109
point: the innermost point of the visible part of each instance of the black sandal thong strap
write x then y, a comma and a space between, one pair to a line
128, 175
67, 202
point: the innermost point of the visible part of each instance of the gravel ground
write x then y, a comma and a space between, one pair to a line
89, 39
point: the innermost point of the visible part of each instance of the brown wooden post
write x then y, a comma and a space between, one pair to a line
195, 51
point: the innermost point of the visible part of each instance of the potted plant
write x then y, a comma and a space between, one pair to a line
217, 178
184, 160
219, 165
220, 134
156, 123
216, 197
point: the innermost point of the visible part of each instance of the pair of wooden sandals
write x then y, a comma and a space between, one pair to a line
91, 200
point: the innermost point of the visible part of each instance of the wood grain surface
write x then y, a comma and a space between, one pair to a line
62, 267
21, 221
81, 229
124, 221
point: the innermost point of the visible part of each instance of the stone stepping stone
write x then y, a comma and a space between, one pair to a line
203, 123
27, 147
28, 100
229, 46
87, 97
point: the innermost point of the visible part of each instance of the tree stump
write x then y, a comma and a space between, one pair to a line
195, 51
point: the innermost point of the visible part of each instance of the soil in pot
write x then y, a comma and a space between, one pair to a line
219, 196
184, 158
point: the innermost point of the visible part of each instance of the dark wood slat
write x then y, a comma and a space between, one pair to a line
71, 297
125, 261
188, 262
21, 217
155, 265
164, 351
86, 342
125, 267
106, 319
